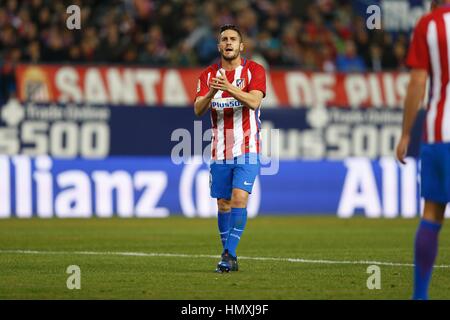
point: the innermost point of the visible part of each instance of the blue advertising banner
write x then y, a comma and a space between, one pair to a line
156, 187
102, 161
95, 132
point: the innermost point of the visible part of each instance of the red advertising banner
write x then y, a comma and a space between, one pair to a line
140, 86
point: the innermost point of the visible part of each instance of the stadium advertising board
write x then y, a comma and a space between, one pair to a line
116, 161
64, 131
156, 187
95, 132
143, 86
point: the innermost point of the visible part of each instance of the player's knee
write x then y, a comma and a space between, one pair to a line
434, 212
239, 199
224, 205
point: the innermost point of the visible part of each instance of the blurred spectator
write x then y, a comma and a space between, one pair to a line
75, 54
362, 43
111, 46
291, 49
54, 50
270, 47
350, 61
400, 56
327, 60
251, 52
375, 61
33, 52
155, 52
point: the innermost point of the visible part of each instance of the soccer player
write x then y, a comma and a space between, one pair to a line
429, 55
233, 89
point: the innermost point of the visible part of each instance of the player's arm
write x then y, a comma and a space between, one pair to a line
204, 96
202, 103
414, 96
250, 99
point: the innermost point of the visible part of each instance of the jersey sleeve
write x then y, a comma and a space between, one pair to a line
202, 85
258, 80
418, 56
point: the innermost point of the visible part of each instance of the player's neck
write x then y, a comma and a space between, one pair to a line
230, 65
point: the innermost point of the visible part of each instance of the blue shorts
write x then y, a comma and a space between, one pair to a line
435, 172
240, 173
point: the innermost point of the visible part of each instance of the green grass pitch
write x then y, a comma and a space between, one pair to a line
330, 246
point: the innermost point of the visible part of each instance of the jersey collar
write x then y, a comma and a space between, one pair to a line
243, 63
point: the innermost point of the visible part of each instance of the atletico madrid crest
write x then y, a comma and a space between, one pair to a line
240, 83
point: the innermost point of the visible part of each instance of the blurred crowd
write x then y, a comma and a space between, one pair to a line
325, 35
321, 35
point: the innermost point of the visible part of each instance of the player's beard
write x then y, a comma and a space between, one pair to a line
230, 58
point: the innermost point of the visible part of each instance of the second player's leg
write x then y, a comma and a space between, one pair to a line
435, 188
434, 212
426, 247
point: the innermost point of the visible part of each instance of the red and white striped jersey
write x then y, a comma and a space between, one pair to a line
235, 127
429, 50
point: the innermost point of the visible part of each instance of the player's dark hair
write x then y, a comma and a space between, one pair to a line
231, 27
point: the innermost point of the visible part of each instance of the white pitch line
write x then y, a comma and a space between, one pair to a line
181, 255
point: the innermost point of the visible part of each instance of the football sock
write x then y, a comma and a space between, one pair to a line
224, 226
425, 251
238, 221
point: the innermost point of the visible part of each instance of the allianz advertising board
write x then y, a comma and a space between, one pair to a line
75, 160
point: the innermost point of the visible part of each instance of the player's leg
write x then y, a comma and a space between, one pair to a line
221, 177
224, 206
426, 247
244, 176
435, 189
238, 219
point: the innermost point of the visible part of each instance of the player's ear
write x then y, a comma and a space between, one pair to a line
241, 47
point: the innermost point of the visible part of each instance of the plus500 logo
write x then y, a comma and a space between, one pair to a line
228, 104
